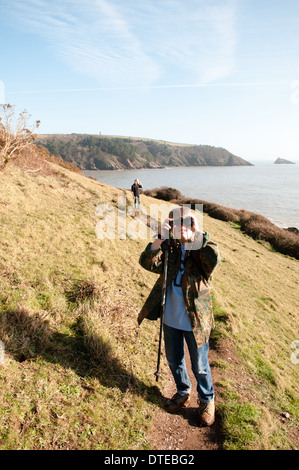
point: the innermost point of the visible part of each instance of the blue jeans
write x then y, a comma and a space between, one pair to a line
136, 200
175, 355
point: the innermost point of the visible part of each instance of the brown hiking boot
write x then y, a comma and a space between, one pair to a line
177, 402
206, 413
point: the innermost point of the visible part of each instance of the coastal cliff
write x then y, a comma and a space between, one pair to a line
96, 152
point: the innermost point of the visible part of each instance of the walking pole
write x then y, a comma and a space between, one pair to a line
163, 304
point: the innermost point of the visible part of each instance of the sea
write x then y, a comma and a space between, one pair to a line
269, 189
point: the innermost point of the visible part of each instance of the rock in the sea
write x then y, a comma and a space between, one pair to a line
283, 160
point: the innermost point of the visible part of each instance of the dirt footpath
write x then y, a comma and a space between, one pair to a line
181, 431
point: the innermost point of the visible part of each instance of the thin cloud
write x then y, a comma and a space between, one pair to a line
152, 87
198, 38
132, 42
91, 36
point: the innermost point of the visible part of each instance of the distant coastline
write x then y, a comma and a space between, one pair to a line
97, 152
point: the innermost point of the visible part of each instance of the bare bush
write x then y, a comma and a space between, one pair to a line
15, 133
260, 228
165, 193
82, 290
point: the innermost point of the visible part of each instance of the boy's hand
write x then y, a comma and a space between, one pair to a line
165, 228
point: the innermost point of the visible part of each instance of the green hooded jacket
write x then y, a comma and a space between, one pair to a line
199, 266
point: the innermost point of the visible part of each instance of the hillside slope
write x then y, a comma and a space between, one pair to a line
94, 152
73, 372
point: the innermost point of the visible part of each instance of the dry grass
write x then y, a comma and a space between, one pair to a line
257, 289
107, 316
24, 333
77, 371
37, 159
74, 365
82, 290
30, 161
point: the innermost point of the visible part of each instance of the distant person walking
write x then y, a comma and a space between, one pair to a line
135, 188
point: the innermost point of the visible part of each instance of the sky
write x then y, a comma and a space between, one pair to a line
212, 72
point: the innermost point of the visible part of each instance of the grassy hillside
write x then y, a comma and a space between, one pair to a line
91, 152
77, 373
